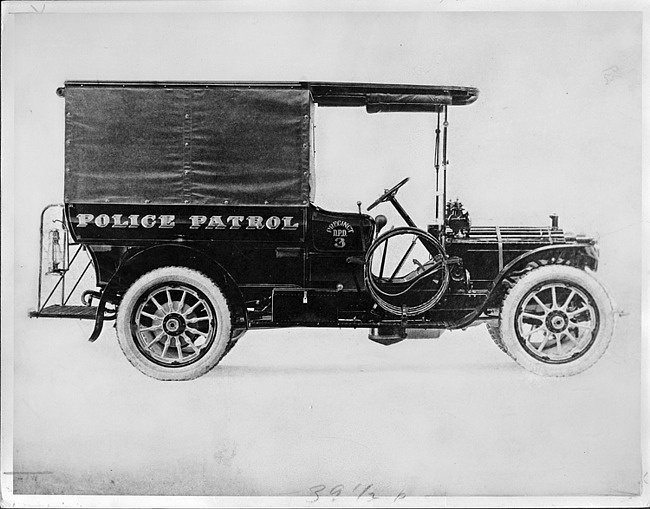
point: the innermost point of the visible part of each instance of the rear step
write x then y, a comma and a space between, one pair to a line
58, 311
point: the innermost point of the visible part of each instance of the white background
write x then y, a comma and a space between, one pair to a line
556, 129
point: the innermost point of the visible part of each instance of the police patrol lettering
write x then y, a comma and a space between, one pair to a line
196, 222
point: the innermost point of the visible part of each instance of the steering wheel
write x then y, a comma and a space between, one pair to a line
397, 288
389, 193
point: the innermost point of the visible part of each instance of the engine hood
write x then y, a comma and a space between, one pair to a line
526, 235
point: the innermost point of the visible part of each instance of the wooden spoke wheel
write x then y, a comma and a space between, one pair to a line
557, 321
174, 324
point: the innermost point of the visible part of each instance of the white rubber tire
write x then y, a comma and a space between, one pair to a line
189, 278
235, 335
574, 278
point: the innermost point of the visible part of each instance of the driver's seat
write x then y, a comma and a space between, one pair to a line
406, 282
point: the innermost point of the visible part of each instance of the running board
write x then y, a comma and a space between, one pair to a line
58, 311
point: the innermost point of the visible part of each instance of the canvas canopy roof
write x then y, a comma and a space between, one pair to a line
211, 143
385, 97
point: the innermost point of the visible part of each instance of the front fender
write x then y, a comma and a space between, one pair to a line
577, 255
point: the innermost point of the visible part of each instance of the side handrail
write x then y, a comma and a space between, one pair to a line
67, 244
40, 256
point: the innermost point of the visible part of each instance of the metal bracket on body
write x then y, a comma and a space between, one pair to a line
500, 247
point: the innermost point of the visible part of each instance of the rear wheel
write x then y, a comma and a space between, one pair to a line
556, 321
174, 324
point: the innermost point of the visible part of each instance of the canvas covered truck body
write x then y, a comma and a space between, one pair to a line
195, 205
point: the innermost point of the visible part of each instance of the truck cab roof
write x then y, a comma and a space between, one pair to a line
375, 97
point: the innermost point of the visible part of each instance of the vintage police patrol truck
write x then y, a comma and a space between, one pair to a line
193, 203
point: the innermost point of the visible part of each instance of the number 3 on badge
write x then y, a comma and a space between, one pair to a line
339, 242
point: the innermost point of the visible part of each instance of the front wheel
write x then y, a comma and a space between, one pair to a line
557, 321
174, 324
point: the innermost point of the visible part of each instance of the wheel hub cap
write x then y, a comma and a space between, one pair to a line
174, 324
556, 321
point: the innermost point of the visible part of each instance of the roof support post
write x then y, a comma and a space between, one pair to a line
444, 174
436, 165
